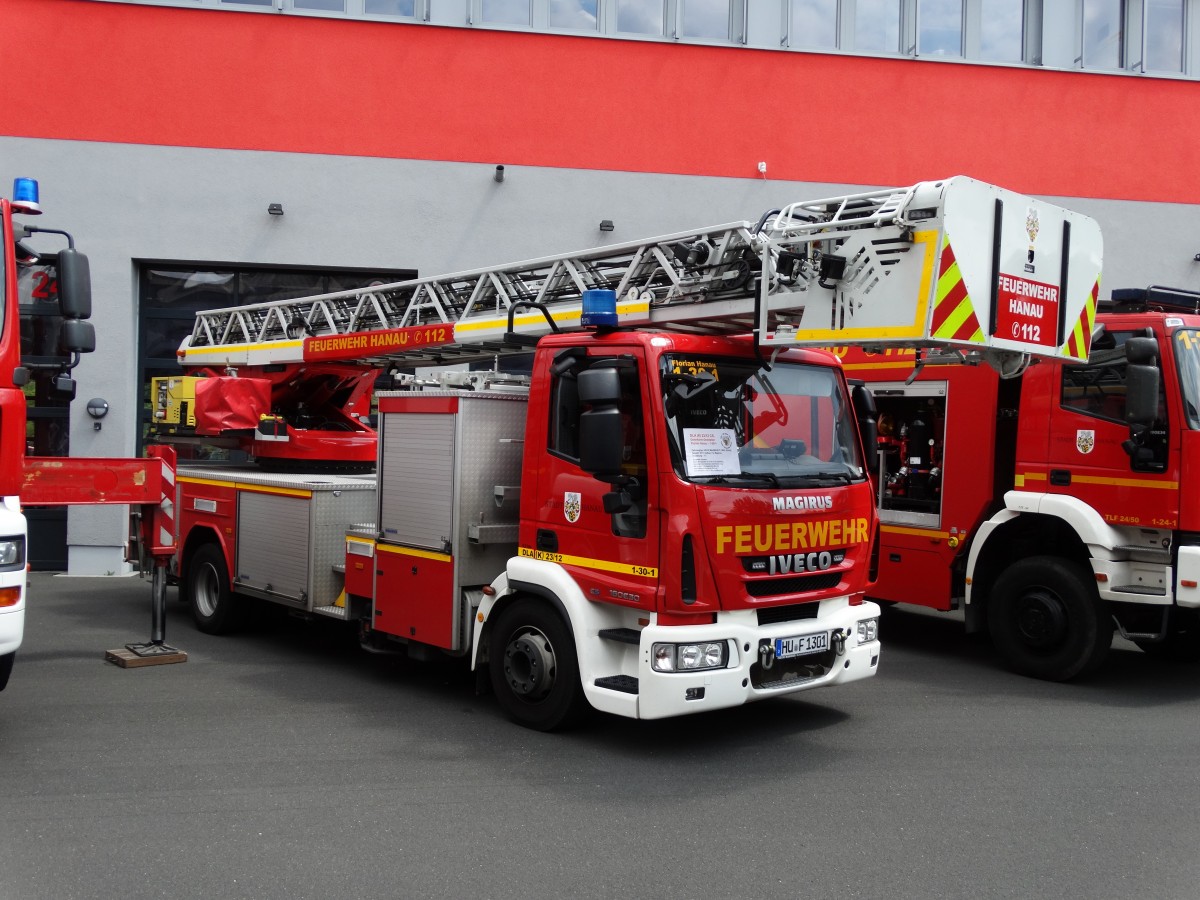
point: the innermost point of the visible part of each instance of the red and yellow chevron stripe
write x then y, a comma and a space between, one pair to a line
1079, 341
953, 313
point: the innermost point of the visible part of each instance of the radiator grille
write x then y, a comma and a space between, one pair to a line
798, 584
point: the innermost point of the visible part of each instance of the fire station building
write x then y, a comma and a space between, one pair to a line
211, 153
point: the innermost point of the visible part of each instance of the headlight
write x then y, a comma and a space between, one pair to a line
12, 553
689, 657
868, 630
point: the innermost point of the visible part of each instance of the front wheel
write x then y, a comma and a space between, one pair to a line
6, 667
1046, 619
214, 606
534, 669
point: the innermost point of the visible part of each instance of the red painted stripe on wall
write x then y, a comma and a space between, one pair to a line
203, 78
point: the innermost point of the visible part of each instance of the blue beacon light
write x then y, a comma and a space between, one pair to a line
599, 309
25, 196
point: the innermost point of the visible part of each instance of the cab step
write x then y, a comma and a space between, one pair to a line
1143, 554
626, 684
1140, 589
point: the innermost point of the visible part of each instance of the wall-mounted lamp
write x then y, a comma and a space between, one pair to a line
499, 176
607, 225
97, 408
275, 209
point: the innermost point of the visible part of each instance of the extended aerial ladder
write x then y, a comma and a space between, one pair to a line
960, 270
875, 266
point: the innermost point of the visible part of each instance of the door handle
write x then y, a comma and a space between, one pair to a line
547, 540
1060, 477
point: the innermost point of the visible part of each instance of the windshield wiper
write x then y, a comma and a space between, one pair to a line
768, 477
837, 477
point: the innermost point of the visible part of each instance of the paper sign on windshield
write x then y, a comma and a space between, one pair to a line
710, 451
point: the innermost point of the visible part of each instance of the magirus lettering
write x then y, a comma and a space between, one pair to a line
802, 502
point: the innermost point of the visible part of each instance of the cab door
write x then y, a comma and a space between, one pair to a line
613, 552
1088, 455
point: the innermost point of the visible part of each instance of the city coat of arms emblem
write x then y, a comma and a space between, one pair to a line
572, 504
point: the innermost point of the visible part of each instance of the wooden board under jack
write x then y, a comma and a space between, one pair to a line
127, 659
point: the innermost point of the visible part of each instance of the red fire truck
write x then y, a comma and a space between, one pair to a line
1051, 506
671, 512
58, 481
75, 336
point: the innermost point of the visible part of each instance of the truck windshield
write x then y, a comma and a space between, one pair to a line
731, 421
1187, 357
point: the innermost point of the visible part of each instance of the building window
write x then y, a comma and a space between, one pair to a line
406, 8
813, 25
580, 15
939, 27
640, 17
706, 19
1162, 38
324, 5
1103, 34
506, 12
1001, 30
877, 26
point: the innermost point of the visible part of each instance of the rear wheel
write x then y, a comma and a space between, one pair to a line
534, 669
214, 606
1046, 619
6, 667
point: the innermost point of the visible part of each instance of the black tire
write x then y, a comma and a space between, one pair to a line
1182, 643
215, 608
534, 669
6, 667
1046, 619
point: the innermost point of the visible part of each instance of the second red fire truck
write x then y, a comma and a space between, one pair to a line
671, 512
1054, 507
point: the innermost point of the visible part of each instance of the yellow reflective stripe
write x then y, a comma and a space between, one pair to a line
919, 532
603, 565
226, 348
965, 311
1126, 482
256, 488
905, 365
413, 551
1021, 478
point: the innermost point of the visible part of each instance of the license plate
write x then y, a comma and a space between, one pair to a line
801, 645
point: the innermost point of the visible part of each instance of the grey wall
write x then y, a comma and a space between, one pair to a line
128, 203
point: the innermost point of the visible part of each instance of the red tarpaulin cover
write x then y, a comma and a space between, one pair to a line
226, 403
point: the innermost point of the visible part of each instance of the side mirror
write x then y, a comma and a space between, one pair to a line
74, 284
601, 436
77, 336
64, 386
1141, 351
1141, 395
1141, 381
867, 415
600, 386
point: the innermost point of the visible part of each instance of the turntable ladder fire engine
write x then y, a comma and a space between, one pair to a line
963, 269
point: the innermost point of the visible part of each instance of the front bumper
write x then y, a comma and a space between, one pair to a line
748, 675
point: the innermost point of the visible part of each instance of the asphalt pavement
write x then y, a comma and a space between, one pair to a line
284, 762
